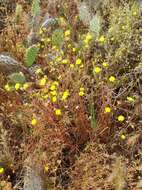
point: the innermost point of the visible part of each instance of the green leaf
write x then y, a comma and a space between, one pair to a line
17, 78
84, 13
18, 12
31, 55
35, 8
95, 25
93, 116
58, 37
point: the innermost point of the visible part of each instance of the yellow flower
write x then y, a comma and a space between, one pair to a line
25, 86
58, 112
67, 38
62, 21
64, 61
46, 168
123, 137
56, 83
97, 69
102, 39
33, 122
89, 37
130, 99
123, 27
67, 33
42, 40
45, 96
105, 64
65, 95
52, 87
86, 42
39, 71
86, 46
81, 89
42, 46
58, 59
71, 65
69, 45
74, 49
54, 93
121, 118
54, 48
44, 29
134, 13
112, 78
81, 93
81, 66
62, 52
54, 99
7, 87
47, 40
17, 86
38, 45
40, 31
43, 81
1, 170
107, 109
78, 61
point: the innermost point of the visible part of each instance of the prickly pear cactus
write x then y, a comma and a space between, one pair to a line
31, 55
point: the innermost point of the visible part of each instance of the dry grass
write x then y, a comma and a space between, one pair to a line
79, 119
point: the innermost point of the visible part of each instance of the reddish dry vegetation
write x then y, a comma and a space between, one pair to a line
80, 127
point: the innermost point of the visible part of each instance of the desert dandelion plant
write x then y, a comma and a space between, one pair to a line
1, 170
121, 118
34, 122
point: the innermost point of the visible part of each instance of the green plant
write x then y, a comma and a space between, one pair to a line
17, 78
35, 10
84, 13
31, 55
58, 37
18, 13
93, 116
95, 25
118, 176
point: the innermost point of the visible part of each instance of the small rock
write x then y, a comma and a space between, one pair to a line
9, 65
33, 180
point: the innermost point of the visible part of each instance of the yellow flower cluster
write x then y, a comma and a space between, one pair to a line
58, 112
107, 109
67, 35
17, 86
1, 170
88, 39
26, 86
7, 87
39, 71
81, 91
65, 95
65, 61
102, 39
46, 168
43, 81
